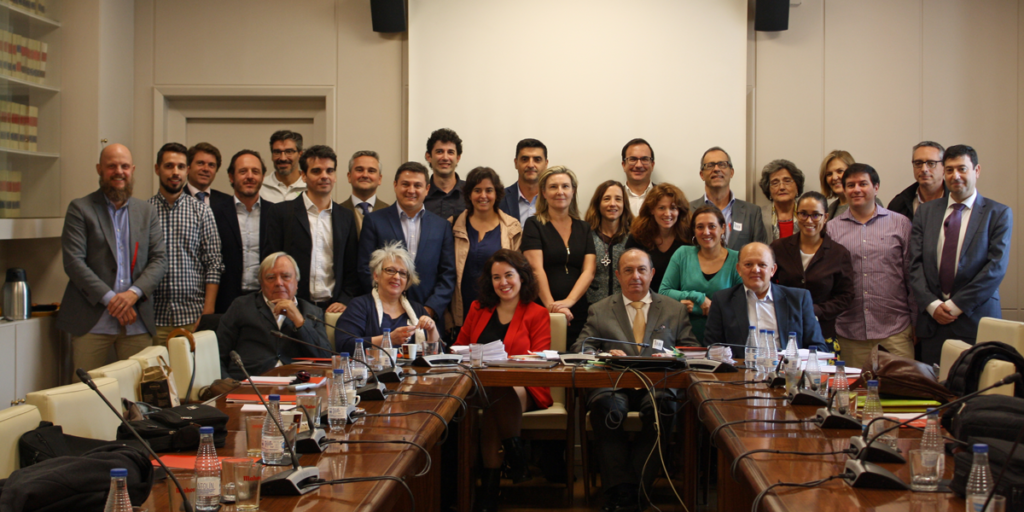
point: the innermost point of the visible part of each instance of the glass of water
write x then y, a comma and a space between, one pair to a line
476, 355
247, 478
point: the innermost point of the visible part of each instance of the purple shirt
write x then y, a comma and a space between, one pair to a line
883, 302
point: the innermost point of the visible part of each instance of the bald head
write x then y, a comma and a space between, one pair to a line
115, 149
117, 173
758, 248
634, 274
756, 266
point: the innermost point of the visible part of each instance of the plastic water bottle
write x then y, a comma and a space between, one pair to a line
842, 388
337, 402
872, 410
814, 370
273, 439
932, 439
207, 472
359, 368
387, 350
979, 483
762, 352
773, 351
792, 348
750, 351
117, 499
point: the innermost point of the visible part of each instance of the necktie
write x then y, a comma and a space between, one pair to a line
201, 196
365, 207
639, 322
947, 269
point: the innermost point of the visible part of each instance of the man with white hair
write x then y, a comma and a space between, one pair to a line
246, 326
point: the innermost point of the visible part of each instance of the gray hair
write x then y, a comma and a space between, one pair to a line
271, 260
778, 165
929, 144
394, 251
363, 152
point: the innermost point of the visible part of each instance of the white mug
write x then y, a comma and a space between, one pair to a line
353, 398
409, 350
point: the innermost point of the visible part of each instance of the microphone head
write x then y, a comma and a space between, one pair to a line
278, 334
312, 317
86, 378
236, 358
1012, 378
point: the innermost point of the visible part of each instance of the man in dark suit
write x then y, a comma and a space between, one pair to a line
635, 315
520, 199
959, 251
114, 256
203, 161
246, 326
743, 222
928, 180
242, 225
364, 176
758, 302
319, 234
427, 237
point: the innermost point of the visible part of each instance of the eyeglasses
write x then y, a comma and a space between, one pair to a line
279, 152
931, 164
392, 272
644, 160
783, 181
711, 165
816, 216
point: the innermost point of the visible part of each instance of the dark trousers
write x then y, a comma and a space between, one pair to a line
623, 462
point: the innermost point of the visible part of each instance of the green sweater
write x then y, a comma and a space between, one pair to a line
684, 281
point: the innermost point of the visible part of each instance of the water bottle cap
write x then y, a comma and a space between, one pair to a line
753, 328
872, 382
359, 341
840, 364
386, 330
205, 430
343, 354
339, 371
118, 472
762, 330
792, 333
930, 410
981, 448
275, 398
771, 331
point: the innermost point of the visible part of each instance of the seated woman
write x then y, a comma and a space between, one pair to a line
505, 311
781, 182
661, 227
697, 272
386, 306
609, 218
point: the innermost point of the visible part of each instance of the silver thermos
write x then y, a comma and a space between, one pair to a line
17, 297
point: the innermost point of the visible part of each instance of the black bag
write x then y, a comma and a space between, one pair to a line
1011, 486
965, 372
177, 428
993, 416
162, 438
48, 441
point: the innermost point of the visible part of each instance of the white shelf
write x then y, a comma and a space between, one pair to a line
29, 16
23, 152
20, 229
19, 86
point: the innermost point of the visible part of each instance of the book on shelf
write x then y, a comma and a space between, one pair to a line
23, 58
10, 194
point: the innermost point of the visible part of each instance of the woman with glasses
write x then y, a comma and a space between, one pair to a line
386, 306
505, 311
609, 218
479, 231
560, 249
661, 227
781, 182
813, 261
697, 272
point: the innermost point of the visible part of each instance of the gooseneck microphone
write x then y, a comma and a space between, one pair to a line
367, 392
394, 374
87, 380
294, 482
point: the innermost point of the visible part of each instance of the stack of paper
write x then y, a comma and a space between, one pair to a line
822, 356
493, 351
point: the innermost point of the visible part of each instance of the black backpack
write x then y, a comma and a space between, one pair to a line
965, 372
48, 441
177, 428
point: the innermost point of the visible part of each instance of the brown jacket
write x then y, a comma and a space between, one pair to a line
829, 277
511, 236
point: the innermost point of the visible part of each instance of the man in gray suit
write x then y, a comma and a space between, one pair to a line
114, 257
959, 251
639, 316
364, 176
743, 222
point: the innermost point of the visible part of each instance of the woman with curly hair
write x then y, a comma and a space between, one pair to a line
661, 227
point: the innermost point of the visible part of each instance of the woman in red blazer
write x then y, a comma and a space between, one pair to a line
505, 311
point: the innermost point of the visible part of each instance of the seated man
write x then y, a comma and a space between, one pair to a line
758, 302
636, 315
245, 327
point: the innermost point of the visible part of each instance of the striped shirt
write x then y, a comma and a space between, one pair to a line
193, 259
883, 302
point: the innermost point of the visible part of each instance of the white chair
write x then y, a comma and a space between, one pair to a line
330, 320
951, 350
1006, 331
207, 358
14, 422
78, 410
128, 374
995, 371
150, 356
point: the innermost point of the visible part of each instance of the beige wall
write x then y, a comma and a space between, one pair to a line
874, 77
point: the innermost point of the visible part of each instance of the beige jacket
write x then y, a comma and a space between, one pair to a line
511, 236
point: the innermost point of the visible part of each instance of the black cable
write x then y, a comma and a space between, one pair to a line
736, 462
412, 499
431, 394
736, 399
808, 485
410, 413
714, 433
426, 454
1009, 459
476, 379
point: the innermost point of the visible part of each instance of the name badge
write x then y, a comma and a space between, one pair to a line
657, 344
737, 226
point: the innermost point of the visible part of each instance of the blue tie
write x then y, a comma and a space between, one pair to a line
201, 196
365, 207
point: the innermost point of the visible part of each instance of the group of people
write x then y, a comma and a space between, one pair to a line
472, 261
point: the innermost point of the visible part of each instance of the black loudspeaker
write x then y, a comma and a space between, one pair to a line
388, 15
769, 16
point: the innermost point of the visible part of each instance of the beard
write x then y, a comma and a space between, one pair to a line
118, 196
171, 190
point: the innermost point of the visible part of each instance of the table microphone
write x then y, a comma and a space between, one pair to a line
830, 419
393, 374
370, 392
87, 380
582, 357
285, 483
804, 396
864, 474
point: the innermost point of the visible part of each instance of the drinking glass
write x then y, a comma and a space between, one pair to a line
254, 435
432, 348
187, 478
924, 470
312, 404
476, 355
247, 477
227, 481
